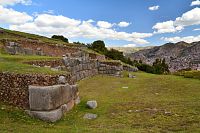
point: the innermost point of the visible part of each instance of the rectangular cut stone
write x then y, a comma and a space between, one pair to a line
50, 97
49, 116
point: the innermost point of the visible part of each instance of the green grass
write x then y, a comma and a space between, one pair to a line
189, 74
14, 63
142, 107
17, 35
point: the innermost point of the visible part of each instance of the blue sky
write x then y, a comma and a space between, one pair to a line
143, 22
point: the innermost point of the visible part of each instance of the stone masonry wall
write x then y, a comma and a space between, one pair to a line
14, 87
49, 63
81, 68
30, 47
110, 68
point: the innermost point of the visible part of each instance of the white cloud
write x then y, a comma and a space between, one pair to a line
104, 24
124, 24
166, 27
90, 21
195, 3
189, 18
198, 29
46, 24
49, 11
154, 8
188, 39
55, 21
130, 45
13, 2
10, 16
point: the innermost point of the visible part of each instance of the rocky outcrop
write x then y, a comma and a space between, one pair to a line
178, 56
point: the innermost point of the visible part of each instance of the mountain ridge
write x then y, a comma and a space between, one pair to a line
179, 55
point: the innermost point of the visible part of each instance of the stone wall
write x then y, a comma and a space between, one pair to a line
14, 87
48, 63
130, 68
97, 57
30, 47
81, 68
110, 68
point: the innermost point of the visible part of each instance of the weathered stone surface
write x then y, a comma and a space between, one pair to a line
92, 104
50, 116
50, 97
14, 87
77, 100
10, 50
90, 116
62, 80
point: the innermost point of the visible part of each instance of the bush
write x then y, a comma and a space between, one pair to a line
99, 46
158, 67
60, 37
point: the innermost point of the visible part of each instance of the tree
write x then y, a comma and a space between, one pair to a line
60, 37
159, 66
99, 46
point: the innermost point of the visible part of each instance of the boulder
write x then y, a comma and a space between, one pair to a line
92, 104
62, 80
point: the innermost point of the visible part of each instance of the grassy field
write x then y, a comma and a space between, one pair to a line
189, 74
149, 103
14, 63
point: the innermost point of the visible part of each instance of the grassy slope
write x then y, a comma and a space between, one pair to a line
16, 35
14, 63
149, 97
189, 74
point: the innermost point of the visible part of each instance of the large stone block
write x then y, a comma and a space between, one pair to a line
50, 116
50, 97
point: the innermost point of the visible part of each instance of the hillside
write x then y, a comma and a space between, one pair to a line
127, 50
179, 56
6, 34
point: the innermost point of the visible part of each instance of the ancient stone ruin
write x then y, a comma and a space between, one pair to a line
51, 102
48, 97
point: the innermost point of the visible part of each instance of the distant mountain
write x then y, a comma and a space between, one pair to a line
179, 55
127, 50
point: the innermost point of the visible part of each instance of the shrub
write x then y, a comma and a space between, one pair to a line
60, 37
